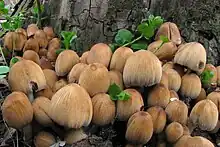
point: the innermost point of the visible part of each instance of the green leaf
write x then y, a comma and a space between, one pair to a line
3, 11
123, 36
165, 39
113, 46
68, 38
139, 46
4, 69
123, 96
2, 76
114, 89
146, 30
206, 76
59, 51
6, 25
14, 60
2, 4
158, 21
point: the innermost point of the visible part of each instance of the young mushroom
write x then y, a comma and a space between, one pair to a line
142, 68
31, 44
171, 65
83, 58
44, 139
173, 94
49, 32
173, 132
73, 76
59, 84
31, 55
51, 77
74, 135
42, 52
31, 30
45, 63
119, 58
174, 80
164, 79
201, 96
41, 37
116, 77
53, 46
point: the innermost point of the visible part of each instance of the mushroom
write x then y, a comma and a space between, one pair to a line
42, 52
164, 79
83, 58
31, 29
177, 111
215, 98
213, 80
171, 31
59, 84
71, 107
31, 55
49, 32
142, 68
51, 77
95, 79
17, 110
180, 69
100, 53
31, 44
192, 55
159, 96
65, 62
116, 77
47, 92
173, 94
22, 31
26, 76
174, 80
119, 58
127, 108
164, 51
139, 128
218, 75
44, 139
203, 115
74, 135
73, 76
174, 131
103, 109
158, 117
202, 95
45, 63
53, 46
191, 86
41, 37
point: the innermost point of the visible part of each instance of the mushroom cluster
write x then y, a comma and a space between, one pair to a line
68, 92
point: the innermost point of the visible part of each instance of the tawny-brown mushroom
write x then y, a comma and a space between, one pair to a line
71, 107
159, 118
177, 111
45, 63
142, 68
164, 79
26, 76
174, 79
119, 58
213, 80
31, 55
73, 76
31, 44
83, 58
215, 98
139, 128
59, 84
100, 53
159, 96
173, 94
202, 95
127, 108
204, 115
51, 77
65, 62
116, 77
53, 46
103, 109
74, 135
49, 32
42, 52
190, 86
171, 31
17, 110
44, 139
46, 92
174, 131
180, 69
41, 37
164, 51
192, 55
95, 79
31, 29
22, 31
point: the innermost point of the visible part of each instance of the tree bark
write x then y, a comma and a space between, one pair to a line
98, 20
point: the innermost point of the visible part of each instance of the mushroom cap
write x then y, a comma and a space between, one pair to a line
95, 79
125, 109
100, 53
173, 94
191, 55
83, 58
142, 68
164, 52
53, 45
74, 135
22, 31
191, 86
180, 69
26, 75
71, 107
31, 55
44, 139
59, 84
45, 63
65, 62
159, 96
202, 95
47, 92
73, 76
50, 76
177, 111
204, 115
41, 109
119, 58
31, 29
49, 32
31, 44
116, 77
174, 131
158, 117
174, 79
17, 110
41, 37
42, 52
164, 79
103, 109
139, 128
171, 31
215, 98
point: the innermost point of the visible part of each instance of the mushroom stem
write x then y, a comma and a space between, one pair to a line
188, 71
191, 126
27, 130
31, 96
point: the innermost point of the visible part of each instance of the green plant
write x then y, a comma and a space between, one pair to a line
116, 93
67, 39
206, 77
146, 31
3, 71
37, 10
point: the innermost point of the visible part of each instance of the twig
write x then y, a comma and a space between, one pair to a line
39, 13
